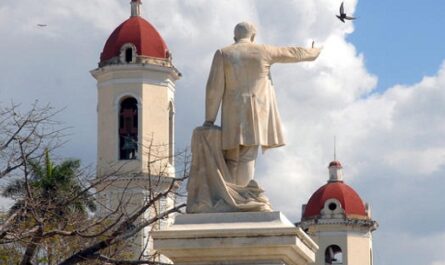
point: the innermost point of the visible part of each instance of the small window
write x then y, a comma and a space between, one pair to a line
332, 206
128, 55
128, 129
333, 255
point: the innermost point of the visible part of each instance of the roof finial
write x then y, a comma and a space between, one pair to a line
335, 149
335, 168
136, 8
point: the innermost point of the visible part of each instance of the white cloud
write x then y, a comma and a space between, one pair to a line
401, 130
419, 162
404, 248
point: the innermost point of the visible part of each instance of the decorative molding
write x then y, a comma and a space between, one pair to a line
343, 233
369, 224
170, 70
123, 95
165, 82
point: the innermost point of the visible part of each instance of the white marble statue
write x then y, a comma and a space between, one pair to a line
239, 82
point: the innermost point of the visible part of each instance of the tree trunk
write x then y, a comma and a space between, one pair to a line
31, 248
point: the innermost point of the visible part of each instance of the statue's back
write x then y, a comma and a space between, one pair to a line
245, 64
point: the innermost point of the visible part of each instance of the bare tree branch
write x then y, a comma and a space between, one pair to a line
127, 262
47, 224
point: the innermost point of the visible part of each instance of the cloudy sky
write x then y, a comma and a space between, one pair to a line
378, 86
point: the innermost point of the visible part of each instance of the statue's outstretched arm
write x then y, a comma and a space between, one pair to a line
291, 54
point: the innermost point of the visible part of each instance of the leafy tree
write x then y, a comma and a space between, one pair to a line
52, 185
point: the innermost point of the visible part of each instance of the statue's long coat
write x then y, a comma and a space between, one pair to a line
240, 78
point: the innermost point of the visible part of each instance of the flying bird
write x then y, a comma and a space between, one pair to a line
343, 15
42, 25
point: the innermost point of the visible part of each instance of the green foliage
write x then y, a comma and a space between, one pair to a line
55, 189
9, 254
51, 197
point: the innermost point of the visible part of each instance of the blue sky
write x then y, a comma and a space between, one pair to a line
401, 40
390, 137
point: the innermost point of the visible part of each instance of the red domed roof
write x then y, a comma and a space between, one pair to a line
140, 33
349, 199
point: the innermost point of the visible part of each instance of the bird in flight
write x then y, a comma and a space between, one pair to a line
42, 25
343, 15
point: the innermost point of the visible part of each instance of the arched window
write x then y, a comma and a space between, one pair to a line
333, 255
128, 129
128, 55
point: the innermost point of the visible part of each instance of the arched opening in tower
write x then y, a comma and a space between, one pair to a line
333, 255
128, 55
128, 129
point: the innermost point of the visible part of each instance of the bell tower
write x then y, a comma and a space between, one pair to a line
336, 218
135, 111
136, 85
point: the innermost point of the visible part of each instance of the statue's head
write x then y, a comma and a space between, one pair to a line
244, 30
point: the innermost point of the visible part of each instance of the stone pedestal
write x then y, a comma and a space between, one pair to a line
267, 238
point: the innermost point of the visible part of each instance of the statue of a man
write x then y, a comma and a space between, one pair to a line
240, 82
